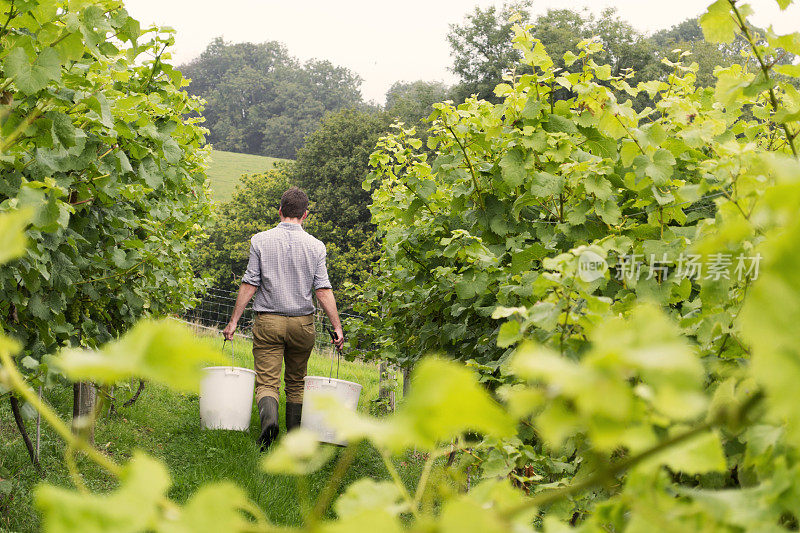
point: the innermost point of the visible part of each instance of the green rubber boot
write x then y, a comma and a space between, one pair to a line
268, 412
294, 412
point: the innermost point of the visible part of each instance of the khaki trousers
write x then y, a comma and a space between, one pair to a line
276, 338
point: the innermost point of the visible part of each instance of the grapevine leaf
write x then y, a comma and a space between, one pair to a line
466, 514
509, 334
298, 454
769, 322
445, 400
366, 494
512, 165
163, 351
697, 455
214, 507
12, 234
628, 152
132, 507
30, 77
368, 520
718, 23
609, 211
545, 184
658, 169
557, 123
598, 144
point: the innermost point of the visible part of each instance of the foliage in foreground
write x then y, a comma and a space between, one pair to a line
626, 415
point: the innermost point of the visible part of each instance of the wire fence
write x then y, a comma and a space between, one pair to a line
215, 309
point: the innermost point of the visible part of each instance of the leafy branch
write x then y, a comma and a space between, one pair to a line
608, 473
765, 68
478, 190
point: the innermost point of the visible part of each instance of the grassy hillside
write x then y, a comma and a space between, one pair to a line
226, 168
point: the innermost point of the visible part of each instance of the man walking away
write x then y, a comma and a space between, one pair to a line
286, 264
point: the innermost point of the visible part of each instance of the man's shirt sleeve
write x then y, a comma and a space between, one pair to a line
253, 274
321, 274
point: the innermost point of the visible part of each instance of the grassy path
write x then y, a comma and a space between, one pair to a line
166, 425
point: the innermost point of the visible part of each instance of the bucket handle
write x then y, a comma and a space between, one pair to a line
338, 352
233, 356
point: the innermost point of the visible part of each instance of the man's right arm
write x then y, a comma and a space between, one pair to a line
328, 303
246, 291
249, 286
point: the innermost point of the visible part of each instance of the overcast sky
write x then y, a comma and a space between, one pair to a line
383, 41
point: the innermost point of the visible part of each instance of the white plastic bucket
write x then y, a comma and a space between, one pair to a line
226, 397
346, 392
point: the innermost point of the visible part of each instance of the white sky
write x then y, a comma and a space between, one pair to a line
386, 41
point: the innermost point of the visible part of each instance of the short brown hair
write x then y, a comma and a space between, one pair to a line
294, 203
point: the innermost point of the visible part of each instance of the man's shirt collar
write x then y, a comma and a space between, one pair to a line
291, 226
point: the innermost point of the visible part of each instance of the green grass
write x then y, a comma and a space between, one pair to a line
226, 168
166, 425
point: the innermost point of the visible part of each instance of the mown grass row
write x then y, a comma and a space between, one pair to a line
166, 425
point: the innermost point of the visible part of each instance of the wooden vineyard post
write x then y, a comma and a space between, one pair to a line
406, 380
84, 397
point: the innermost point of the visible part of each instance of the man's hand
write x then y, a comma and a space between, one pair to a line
339, 341
229, 330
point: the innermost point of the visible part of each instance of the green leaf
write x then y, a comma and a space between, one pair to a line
598, 144
446, 400
608, 210
512, 165
718, 23
150, 174
557, 123
793, 71
658, 169
508, 334
769, 323
465, 514
37, 308
598, 185
70, 48
783, 4
172, 152
297, 454
698, 455
30, 77
603, 72
370, 520
133, 507
164, 351
569, 57
12, 234
214, 507
545, 184
366, 494
63, 129
628, 152
532, 108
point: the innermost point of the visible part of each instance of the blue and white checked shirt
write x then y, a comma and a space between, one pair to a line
286, 264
